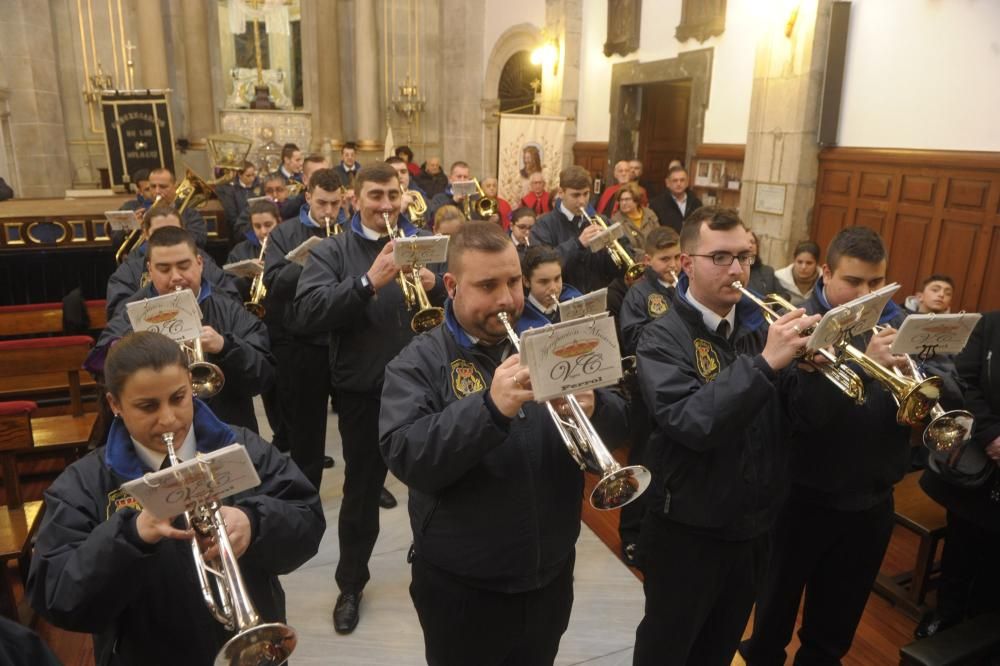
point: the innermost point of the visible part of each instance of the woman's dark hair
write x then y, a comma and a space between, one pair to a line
265, 208
535, 256
809, 247
523, 211
405, 153
137, 351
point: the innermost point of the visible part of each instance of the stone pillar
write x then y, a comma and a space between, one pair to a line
781, 144
152, 48
366, 56
462, 114
330, 123
201, 111
561, 88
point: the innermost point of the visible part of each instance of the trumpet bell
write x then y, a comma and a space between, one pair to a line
917, 401
949, 430
633, 273
263, 645
620, 487
427, 319
206, 379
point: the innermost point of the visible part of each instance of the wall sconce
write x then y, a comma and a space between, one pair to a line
547, 55
408, 102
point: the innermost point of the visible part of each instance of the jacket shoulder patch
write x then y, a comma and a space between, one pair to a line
119, 499
656, 305
707, 359
465, 378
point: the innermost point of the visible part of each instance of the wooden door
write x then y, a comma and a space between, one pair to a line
663, 128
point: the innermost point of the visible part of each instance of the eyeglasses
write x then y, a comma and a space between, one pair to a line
727, 258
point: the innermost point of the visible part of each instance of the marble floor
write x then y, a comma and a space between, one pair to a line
607, 608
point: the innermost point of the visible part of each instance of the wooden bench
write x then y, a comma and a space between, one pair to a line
967, 644
39, 319
918, 513
18, 520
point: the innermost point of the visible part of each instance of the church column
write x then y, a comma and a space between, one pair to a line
366, 52
781, 150
330, 121
201, 114
152, 48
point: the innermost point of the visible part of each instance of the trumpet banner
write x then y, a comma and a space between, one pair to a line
528, 144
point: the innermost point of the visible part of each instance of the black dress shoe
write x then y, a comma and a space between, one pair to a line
345, 613
630, 554
328, 462
385, 499
932, 623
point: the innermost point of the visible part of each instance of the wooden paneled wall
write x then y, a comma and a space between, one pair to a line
938, 212
592, 156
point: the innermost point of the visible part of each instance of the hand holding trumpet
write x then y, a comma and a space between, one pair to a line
785, 340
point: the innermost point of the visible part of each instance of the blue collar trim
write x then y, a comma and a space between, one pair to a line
748, 313
461, 337
402, 221
890, 313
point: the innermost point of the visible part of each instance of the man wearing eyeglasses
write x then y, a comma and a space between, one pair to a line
711, 373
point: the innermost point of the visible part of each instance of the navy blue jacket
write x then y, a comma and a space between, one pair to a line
588, 271
645, 301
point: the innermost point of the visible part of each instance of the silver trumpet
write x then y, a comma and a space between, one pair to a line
255, 643
618, 485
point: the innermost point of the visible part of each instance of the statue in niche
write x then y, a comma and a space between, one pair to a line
623, 27
701, 19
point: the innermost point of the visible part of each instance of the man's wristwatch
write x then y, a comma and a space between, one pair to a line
367, 284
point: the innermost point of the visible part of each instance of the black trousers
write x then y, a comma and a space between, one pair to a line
834, 556
364, 474
309, 375
632, 514
699, 592
970, 580
279, 399
463, 624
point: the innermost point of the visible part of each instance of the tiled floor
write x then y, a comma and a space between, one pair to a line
607, 608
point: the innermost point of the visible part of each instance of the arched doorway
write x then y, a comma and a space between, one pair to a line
519, 82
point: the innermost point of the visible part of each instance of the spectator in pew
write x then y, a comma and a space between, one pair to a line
132, 275
104, 565
970, 491
799, 277
231, 337
934, 296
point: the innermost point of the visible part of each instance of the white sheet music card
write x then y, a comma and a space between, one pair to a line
252, 200
301, 253
122, 220
572, 356
248, 268
466, 188
175, 315
851, 318
211, 476
420, 250
606, 237
929, 334
596, 302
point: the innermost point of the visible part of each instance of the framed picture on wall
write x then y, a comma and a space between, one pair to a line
709, 173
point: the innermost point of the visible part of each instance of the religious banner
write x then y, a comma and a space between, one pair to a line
528, 144
137, 132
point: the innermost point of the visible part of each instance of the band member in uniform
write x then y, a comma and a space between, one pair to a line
291, 163
310, 165
132, 275
163, 184
264, 217
494, 497
231, 337
349, 291
104, 565
541, 270
710, 373
647, 300
570, 233
303, 366
349, 166
521, 222
234, 194
459, 173
835, 526
448, 220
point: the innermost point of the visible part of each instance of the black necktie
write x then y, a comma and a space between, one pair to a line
723, 329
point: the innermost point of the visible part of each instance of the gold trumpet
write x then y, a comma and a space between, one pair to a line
194, 191
294, 187
225, 593
258, 290
618, 485
840, 376
417, 208
917, 397
133, 238
332, 228
427, 316
206, 378
486, 206
619, 255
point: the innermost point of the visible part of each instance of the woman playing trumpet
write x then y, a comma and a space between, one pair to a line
104, 565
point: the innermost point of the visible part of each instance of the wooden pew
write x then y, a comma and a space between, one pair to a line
18, 520
39, 319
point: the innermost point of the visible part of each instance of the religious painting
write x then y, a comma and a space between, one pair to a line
528, 144
701, 19
531, 159
624, 19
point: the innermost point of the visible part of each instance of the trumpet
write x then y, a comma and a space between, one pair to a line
295, 187
206, 378
258, 290
133, 238
619, 255
193, 191
618, 485
486, 206
840, 376
257, 643
427, 316
673, 276
417, 208
332, 229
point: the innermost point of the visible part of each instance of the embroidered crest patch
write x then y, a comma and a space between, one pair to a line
465, 378
656, 305
118, 499
707, 358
